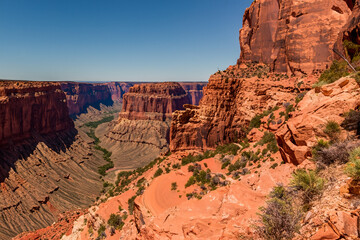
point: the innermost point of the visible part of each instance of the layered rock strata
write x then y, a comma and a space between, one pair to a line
28, 108
283, 35
194, 91
142, 130
231, 99
45, 166
154, 101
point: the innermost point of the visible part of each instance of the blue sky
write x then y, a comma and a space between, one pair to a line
116, 40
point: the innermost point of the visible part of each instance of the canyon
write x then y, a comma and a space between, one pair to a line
141, 132
195, 160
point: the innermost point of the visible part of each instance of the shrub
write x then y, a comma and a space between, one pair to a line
270, 140
308, 182
131, 204
255, 122
352, 120
190, 182
115, 221
336, 153
230, 148
353, 167
158, 172
101, 229
332, 129
279, 219
173, 186
337, 70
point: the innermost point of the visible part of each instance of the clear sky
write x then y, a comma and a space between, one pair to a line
118, 40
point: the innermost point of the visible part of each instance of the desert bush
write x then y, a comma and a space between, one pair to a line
336, 153
352, 120
337, 70
173, 186
190, 182
279, 219
308, 182
131, 204
115, 221
158, 172
270, 140
332, 129
255, 122
353, 166
227, 148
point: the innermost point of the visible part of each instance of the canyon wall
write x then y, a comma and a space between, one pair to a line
278, 38
80, 96
153, 101
28, 108
142, 130
292, 36
46, 168
194, 90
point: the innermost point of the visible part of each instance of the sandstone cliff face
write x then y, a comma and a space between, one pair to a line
292, 36
80, 96
350, 32
43, 160
230, 101
154, 101
194, 91
28, 108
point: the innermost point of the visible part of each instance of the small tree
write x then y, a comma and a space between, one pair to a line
308, 182
279, 219
353, 166
173, 186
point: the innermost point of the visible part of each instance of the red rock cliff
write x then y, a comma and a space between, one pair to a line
194, 90
153, 101
31, 107
292, 36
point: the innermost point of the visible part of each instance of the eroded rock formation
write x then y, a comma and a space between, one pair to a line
28, 108
154, 101
80, 96
230, 101
283, 34
194, 90
45, 166
320, 105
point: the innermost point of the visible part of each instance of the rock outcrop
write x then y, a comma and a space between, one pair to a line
229, 103
28, 108
153, 101
142, 130
283, 35
80, 96
194, 90
320, 105
45, 166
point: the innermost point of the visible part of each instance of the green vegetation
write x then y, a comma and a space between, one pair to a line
115, 221
353, 166
280, 219
97, 123
255, 122
308, 182
352, 50
270, 140
101, 229
337, 70
332, 129
173, 186
106, 154
158, 172
131, 204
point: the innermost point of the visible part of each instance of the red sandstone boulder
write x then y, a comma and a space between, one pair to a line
307, 125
